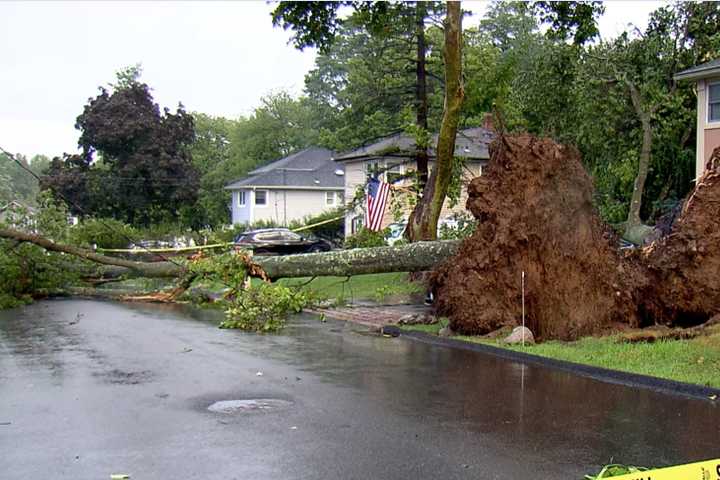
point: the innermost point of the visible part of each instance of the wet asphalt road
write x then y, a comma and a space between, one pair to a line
91, 388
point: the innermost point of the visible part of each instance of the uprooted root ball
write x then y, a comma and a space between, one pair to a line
535, 215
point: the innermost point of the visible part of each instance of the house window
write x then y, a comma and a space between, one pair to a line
393, 173
372, 167
714, 102
241, 198
330, 199
260, 197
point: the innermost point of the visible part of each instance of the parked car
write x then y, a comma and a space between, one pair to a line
396, 233
280, 241
397, 230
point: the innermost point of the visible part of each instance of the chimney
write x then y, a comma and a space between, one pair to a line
487, 122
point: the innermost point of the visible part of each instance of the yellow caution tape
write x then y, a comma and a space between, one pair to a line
162, 250
707, 470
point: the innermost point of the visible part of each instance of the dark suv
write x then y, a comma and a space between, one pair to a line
280, 241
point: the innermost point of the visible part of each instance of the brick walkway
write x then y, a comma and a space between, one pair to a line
373, 316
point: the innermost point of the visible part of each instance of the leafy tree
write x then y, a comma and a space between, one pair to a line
632, 77
392, 39
225, 150
16, 183
576, 20
422, 224
27, 270
211, 158
366, 86
279, 126
135, 164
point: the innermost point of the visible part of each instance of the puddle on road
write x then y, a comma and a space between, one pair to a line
249, 406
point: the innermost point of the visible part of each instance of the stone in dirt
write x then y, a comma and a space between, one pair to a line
520, 335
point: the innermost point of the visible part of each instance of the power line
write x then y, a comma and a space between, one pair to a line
82, 210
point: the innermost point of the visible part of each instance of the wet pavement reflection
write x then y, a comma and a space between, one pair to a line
87, 387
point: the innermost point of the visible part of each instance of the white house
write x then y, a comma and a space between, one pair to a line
300, 185
394, 156
707, 78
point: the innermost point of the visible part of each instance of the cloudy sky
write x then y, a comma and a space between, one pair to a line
216, 57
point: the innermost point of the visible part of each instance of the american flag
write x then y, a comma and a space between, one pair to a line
377, 195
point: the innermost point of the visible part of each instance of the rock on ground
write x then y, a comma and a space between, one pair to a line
518, 335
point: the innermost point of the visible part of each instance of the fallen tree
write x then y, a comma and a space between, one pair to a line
413, 257
535, 215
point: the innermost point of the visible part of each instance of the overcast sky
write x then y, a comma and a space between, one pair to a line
217, 58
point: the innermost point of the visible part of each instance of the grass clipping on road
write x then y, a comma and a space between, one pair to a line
692, 361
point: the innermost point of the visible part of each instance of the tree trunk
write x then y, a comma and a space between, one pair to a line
421, 101
423, 221
144, 269
413, 257
633, 219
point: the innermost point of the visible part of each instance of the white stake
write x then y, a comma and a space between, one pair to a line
523, 307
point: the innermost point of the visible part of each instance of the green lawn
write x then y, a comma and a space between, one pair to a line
692, 361
377, 287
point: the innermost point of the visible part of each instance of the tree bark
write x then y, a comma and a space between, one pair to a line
422, 224
633, 219
421, 120
413, 257
145, 269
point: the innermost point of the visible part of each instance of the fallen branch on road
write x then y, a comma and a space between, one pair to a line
414, 257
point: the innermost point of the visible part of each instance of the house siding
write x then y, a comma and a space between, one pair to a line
355, 177
283, 206
708, 134
712, 141
241, 214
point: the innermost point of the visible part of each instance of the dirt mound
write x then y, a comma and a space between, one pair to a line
535, 212
684, 266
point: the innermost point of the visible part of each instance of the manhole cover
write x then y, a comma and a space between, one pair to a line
247, 406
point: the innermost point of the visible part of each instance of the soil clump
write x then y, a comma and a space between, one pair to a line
535, 214
684, 267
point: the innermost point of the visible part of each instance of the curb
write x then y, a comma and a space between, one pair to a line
606, 375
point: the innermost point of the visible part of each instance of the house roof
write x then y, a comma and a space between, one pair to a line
312, 168
14, 204
707, 69
471, 143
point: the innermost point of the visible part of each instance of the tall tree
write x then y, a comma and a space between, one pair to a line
16, 183
638, 69
423, 221
397, 31
135, 163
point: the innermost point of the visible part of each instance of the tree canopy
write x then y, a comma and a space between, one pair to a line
380, 70
135, 163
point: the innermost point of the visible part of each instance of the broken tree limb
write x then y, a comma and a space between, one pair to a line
413, 257
145, 269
